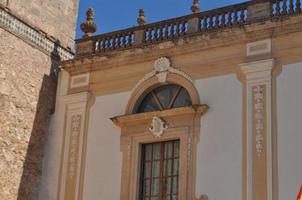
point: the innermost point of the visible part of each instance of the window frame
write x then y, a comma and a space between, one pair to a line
184, 125
162, 176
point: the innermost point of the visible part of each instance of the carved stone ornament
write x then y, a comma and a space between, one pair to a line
157, 127
141, 20
259, 117
75, 131
89, 27
195, 7
162, 67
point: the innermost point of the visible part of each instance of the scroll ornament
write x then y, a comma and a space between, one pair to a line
157, 127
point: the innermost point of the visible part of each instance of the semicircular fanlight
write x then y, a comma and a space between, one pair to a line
163, 98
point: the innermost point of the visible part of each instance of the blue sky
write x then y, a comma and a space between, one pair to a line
114, 15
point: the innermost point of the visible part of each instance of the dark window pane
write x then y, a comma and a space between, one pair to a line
155, 187
168, 168
167, 185
146, 189
156, 169
156, 152
176, 149
165, 94
168, 197
148, 104
183, 99
148, 152
168, 149
175, 167
147, 170
175, 185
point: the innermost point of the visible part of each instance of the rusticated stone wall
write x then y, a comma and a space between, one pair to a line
27, 89
28, 78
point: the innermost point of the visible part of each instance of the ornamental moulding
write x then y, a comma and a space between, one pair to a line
157, 127
162, 67
259, 117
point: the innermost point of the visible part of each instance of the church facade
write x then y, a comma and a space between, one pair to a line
204, 106
200, 107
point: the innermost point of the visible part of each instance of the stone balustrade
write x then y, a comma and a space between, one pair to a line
197, 23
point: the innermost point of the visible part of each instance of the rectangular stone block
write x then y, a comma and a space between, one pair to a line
259, 11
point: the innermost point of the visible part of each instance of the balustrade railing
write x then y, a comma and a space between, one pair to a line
213, 20
112, 41
165, 30
223, 17
285, 7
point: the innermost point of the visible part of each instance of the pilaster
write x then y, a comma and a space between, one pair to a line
258, 145
76, 106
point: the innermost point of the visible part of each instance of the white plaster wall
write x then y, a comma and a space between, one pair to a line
220, 149
289, 128
104, 159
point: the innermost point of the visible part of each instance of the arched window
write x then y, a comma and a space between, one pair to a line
164, 97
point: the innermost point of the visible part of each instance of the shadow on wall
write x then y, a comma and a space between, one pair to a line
32, 169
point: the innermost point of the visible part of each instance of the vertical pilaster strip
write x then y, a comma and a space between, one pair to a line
259, 138
75, 119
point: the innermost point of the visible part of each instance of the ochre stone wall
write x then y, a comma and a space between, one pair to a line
27, 89
27, 93
55, 17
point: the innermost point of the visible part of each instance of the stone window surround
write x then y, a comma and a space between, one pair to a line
183, 124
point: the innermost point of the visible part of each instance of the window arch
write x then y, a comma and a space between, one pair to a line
143, 89
164, 97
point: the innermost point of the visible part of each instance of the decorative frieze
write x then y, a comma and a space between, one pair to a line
32, 36
189, 150
74, 139
259, 120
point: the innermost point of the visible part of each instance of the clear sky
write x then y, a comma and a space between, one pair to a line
114, 15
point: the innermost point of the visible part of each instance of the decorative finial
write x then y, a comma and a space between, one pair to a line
195, 7
141, 20
89, 27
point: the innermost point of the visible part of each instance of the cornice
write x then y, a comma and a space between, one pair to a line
196, 110
186, 45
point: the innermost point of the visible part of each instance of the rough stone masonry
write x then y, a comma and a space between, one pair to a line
27, 89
